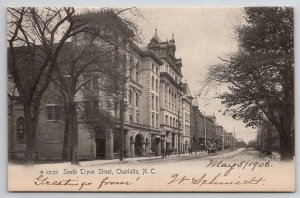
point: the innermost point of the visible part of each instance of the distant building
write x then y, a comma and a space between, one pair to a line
197, 127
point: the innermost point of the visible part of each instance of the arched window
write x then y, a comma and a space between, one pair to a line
21, 131
137, 70
152, 82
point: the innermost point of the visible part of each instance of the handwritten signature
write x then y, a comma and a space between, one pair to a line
217, 179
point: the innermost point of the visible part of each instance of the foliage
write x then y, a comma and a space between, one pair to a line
260, 75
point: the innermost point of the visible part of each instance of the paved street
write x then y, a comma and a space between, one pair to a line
185, 159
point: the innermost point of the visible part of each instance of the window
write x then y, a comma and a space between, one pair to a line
153, 120
130, 118
137, 67
171, 121
156, 85
152, 68
137, 117
152, 82
54, 112
91, 109
166, 88
21, 132
157, 120
152, 101
156, 103
157, 70
131, 74
137, 99
166, 120
130, 96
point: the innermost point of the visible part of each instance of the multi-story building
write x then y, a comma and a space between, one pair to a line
219, 137
198, 127
210, 122
171, 92
186, 113
160, 111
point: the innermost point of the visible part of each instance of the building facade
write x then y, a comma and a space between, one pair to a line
171, 93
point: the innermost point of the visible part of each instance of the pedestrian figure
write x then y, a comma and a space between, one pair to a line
125, 153
163, 152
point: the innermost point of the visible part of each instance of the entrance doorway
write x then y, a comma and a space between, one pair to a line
100, 148
138, 145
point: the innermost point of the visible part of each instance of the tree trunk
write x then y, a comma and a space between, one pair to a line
286, 149
74, 131
66, 156
122, 123
30, 124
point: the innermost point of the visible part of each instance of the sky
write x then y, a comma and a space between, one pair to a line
202, 34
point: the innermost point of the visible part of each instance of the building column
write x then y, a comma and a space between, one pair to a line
109, 138
132, 149
127, 142
158, 147
143, 149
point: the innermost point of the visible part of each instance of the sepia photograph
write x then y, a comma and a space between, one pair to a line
150, 99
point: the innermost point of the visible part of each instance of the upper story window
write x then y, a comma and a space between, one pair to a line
152, 101
54, 112
21, 130
152, 67
157, 70
137, 99
156, 84
166, 121
91, 109
130, 118
152, 82
137, 70
130, 96
131, 69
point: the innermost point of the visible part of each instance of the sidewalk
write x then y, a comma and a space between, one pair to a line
100, 162
185, 156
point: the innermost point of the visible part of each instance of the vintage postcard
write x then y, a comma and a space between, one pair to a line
182, 99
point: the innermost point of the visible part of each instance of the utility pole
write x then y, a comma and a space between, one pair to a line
205, 135
178, 126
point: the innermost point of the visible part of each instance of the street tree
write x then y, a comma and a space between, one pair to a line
260, 75
94, 65
35, 39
